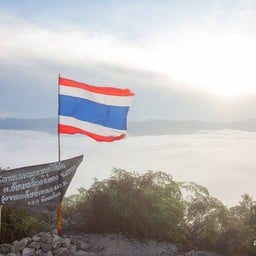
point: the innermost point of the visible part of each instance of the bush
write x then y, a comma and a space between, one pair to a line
146, 206
19, 223
154, 206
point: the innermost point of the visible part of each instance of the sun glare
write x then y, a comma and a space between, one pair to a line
223, 65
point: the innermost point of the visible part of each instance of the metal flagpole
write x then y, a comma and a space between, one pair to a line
58, 117
59, 210
1, 206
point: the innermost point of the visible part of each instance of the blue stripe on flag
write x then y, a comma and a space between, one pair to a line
89, 111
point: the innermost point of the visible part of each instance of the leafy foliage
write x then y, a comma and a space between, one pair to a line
153, 205
144, 206
19, 223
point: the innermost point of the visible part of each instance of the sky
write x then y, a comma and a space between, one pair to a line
222, 161
183, 59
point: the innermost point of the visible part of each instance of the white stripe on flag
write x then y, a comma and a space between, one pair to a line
90, 127
96, 97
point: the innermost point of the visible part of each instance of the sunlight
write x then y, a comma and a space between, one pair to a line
219, 64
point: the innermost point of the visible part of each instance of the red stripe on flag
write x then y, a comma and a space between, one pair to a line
102, 90
72, 130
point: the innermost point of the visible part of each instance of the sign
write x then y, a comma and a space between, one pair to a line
39, 187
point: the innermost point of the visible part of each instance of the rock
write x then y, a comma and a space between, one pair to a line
14, 254
28, 251
34, 245
19, 245
67, 242
200, 253
27, 240
83, 246
36, 238
83, 253
72, 248
38, 252
5, 248
50, 244
45, 246
50, 253
57, 241
62, 251
46, 237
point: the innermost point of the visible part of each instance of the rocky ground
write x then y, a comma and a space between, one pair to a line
50, 244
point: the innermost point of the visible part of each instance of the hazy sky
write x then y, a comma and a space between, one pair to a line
183, 59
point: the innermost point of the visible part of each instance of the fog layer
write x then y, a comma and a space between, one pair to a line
223, 161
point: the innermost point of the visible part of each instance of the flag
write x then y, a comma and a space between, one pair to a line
98, 112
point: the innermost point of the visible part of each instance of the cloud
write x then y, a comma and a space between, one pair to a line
223, 161
176, 67
214, 51
28, 43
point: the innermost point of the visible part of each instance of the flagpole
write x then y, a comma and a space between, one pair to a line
1, 206
58, 117
59, 210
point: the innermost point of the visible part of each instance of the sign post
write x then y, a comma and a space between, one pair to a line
59, 220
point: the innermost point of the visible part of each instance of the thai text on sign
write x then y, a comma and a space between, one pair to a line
37, 186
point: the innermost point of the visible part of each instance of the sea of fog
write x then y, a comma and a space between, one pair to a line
223, 161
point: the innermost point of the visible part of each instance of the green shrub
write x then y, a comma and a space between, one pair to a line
19, 223
145, 206
153, 205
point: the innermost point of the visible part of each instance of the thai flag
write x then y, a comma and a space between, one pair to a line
98, 112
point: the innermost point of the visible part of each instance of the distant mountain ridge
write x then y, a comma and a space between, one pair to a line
135, 128
164, 127
43, 125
